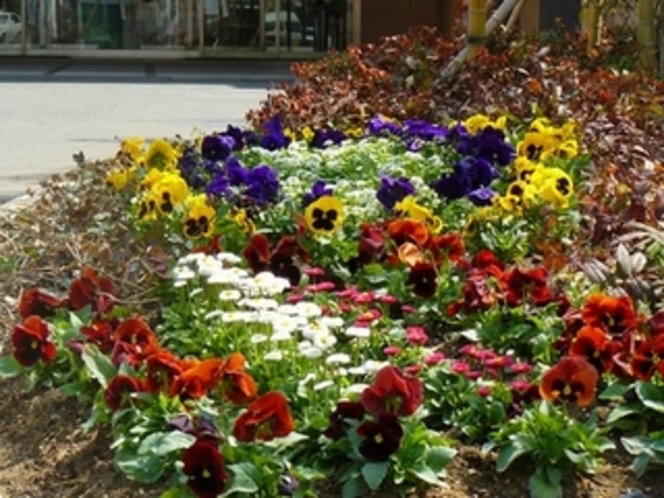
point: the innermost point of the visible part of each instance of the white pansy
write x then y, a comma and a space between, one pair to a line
338, 359
361, 332
230, 295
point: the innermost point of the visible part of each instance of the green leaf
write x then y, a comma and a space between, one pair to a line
540, 487
636, 445
163, 443
640, 464
622, 411
9, 367
354, 488
615, 392
242, 482
142, 468
508, 454
426, 474
651, 396
99, 365
282, 443
438, 457
374, 473
176, 492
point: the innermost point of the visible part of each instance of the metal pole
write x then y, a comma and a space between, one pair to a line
201, 26
24, 26
277, 26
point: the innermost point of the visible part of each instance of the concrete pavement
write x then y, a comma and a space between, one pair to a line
53, 108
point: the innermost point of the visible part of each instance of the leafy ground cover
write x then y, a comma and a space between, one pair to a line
429, 300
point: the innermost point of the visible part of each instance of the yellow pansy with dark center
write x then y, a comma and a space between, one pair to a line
325, 215
200, 217
564, 186
147, 208
166, 205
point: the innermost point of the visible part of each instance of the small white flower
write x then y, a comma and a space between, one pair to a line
208, 266
287, 309
259, 303
360, 332
230, 295
195, 292
232, 276
338, 359
281, 335
372, 366
193, 257
324, 341
258, 338
239, 316
334, 322
181, 274
213, 314
308, 309
355, 389
311, 352
229, 258
323, 385
274, 356
313, 329
356, 370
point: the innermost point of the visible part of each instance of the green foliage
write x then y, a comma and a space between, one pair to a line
555, 443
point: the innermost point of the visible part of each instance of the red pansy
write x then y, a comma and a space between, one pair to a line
91, 289
381, 438
572, 379
31, 343
422, 277
204, 468
616, 315
266, 418
257, 252
118, 391
237, 386
393, 392
135, 341
197, 378
39, 302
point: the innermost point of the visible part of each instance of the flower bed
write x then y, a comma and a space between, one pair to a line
341, 309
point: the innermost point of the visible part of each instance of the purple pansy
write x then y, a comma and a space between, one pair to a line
482, 196
324, 138
274, 137
217, 147
393, 190
262, 184
318, 190
379, 126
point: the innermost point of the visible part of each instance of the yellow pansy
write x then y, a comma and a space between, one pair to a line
151, 179
355, 132
478, 122
554, 186
240, 217
200, 217
568, 149
133, 148
325, 215
524, 168
171, 190
536, 145
161, 154
147, 206
409, 208
307, 134
118, 178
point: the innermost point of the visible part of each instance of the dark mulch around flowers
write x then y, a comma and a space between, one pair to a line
44, 452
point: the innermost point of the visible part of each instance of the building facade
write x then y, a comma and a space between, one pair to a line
221, 28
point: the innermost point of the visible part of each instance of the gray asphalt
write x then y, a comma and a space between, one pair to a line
53, 108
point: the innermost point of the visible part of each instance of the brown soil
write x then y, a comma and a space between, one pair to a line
43, 451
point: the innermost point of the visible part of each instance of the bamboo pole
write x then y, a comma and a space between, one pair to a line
646, 33
499, 15
514, 16
476, 21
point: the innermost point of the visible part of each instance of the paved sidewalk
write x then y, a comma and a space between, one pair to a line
51, 109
